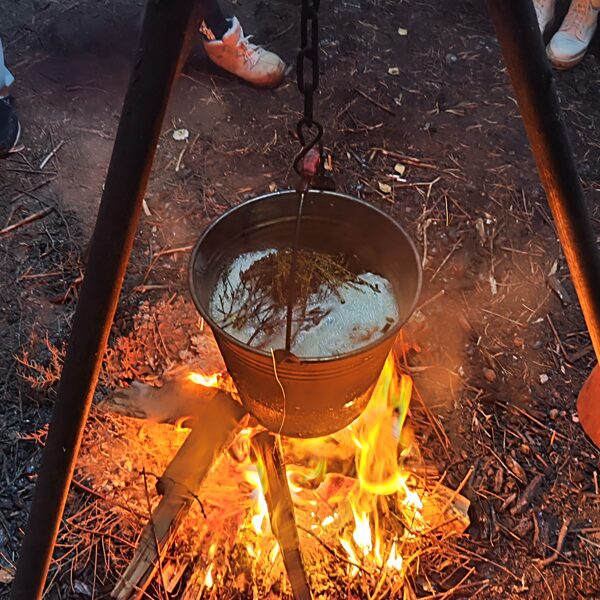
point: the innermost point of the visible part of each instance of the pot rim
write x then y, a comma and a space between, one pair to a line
391, 333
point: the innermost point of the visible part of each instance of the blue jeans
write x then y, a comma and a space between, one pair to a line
6, 78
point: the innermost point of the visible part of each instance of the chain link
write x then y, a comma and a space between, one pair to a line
307, 66
307, 74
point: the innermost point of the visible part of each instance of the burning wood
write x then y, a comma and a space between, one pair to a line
179, 484
358, 497
281, 509
181, 400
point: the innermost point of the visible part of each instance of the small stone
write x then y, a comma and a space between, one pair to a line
518, 342
180, 135
544, 378
451, 58
489, 374
553, 414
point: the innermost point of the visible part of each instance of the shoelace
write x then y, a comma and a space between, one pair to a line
251, 52
577, 18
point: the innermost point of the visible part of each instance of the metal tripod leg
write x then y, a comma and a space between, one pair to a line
533, 82
162, 44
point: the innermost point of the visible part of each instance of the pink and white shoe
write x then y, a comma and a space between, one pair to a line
570, 43
238, 55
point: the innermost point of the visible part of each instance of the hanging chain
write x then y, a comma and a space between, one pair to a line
307, 65
307, 73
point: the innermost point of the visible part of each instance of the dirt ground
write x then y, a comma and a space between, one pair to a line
504, 349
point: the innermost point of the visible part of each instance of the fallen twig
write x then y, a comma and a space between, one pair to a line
32, 189
157, 255
409, 160
334, 552
93, 492
375, 103
454, 247
51, 154
34, 217
559, 544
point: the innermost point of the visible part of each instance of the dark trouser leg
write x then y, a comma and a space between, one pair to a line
214, 23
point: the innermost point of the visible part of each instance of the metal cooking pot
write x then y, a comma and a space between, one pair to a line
310, 397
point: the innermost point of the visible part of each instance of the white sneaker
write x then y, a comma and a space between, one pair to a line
544, 11
236, 54
570, 43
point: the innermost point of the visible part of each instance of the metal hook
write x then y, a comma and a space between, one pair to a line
307, 147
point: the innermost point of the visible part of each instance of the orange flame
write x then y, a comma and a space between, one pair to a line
205, 380
379, 442
378, 437
260, 518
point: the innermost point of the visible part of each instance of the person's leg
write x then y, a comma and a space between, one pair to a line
6, 78
10, 129
544, 10
570, 43
228, 47
214, 23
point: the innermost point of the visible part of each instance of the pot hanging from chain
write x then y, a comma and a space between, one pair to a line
299, 395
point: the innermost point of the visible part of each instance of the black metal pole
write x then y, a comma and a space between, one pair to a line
531, 75
162, 43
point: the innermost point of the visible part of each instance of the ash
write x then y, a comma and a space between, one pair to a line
341, 314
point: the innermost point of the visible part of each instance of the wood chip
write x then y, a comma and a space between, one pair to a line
511, 498
529, 494
516, 469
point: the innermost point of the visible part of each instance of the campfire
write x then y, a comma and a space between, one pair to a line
300, 452
361, 513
